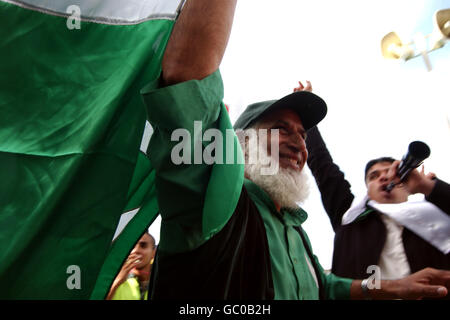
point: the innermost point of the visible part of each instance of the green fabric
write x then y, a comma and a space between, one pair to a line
336, 288
291, 267
129, 290
196, 200
143, 195
70, 130
364, 214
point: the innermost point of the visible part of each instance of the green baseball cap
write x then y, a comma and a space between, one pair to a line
310, 108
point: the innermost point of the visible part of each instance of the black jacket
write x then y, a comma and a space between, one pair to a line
359, 244
233, 265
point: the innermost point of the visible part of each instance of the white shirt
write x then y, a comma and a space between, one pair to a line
393, 261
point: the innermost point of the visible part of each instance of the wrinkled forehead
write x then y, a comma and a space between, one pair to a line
287, 116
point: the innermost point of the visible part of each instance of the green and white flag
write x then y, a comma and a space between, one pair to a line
71, 129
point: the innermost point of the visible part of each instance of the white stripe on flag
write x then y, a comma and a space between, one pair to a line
148, 131
125, 218
111, 11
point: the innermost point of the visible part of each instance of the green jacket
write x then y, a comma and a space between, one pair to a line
220, 238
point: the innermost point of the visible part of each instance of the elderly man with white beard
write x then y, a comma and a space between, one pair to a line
228, 230
288, 184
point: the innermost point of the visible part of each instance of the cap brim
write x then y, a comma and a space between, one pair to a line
310, 108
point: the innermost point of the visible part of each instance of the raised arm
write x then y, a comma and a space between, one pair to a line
334, 189
182, 106
198, 41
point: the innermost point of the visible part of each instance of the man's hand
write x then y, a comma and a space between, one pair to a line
132, 261
417, 181
301, 87
426, 283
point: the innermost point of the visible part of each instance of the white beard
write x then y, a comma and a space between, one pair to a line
286, 187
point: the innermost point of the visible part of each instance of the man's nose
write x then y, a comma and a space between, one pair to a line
383, 176
297, 143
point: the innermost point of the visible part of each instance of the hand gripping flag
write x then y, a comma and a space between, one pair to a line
71, 128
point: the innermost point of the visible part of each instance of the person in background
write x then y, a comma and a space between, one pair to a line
383, 229
132, 281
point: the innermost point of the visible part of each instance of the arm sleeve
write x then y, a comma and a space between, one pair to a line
196, 199
334, 287
439, 196
334, 188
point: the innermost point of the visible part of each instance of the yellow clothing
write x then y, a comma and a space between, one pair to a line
129, 290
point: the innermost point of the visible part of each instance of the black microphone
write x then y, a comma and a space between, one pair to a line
417, 152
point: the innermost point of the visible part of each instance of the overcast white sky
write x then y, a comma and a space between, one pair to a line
376, 107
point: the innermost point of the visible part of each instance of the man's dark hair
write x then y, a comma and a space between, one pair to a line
373, 162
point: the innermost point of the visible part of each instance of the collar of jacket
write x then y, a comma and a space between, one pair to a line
289, 216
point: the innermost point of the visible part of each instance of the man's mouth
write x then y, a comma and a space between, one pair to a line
293, 162
384, 190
